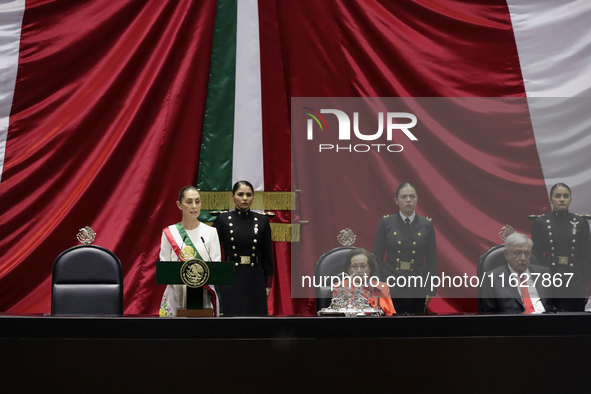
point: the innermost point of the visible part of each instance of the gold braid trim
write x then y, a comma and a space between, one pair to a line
267, 201
257, 203
279, 201
212, 201
285, 232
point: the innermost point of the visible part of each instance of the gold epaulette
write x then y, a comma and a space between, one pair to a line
429, 219
584, 215
386, 216
534, 217
267, 213
215, 213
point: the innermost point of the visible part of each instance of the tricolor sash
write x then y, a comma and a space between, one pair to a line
177, 235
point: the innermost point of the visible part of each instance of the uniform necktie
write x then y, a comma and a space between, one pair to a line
529, 306
407, 221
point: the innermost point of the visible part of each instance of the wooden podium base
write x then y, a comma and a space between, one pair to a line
195, 313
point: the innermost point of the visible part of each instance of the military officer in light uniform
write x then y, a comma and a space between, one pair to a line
407, 241
562, 241
246, 239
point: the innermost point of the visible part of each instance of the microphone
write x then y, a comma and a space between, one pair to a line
184, 243
208, 255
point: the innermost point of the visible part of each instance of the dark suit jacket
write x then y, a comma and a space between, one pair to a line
497, 298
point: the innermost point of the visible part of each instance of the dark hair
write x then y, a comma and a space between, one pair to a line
184, 189
371, 260
404, 185
242, 183
559, 185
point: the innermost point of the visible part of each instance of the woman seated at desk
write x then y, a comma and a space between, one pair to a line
360, 263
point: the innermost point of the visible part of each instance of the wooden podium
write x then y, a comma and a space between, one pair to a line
220, 273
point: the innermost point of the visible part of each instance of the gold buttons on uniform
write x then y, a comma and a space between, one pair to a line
231, 224
236, 264
399, 252
229, 217
549, 227
253, 255
233, 247
395, 233
414, 243
256, 219
254, 248
550, 234
231, 231
252, 264
412, 261
235, 255
399, 242
547, 220
552, 248
231, 238
419, 234
574, 240
413, 252
397, 260
255, 241
551, 241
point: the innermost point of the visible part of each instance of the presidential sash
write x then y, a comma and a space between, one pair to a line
177, 235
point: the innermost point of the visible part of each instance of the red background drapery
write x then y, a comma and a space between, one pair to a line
108, 108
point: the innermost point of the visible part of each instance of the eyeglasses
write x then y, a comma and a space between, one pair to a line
359, 266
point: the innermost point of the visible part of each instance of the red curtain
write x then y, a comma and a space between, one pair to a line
105, 129
108, 109
421, 48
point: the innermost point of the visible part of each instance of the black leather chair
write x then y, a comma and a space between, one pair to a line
491, 259
87, 280
331, 264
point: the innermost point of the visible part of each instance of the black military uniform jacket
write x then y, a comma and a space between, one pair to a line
411, 250
563, 243
246, 240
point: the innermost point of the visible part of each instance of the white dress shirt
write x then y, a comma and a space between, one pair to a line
411, 217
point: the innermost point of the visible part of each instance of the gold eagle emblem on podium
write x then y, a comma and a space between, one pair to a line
194, 273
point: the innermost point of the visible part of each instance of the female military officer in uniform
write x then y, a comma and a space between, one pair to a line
409, 240
246, 240
562, 241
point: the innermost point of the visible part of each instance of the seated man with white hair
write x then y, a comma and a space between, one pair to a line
518, 287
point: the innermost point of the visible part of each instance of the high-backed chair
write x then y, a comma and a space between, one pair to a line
87, 280
331, 264
491, 259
